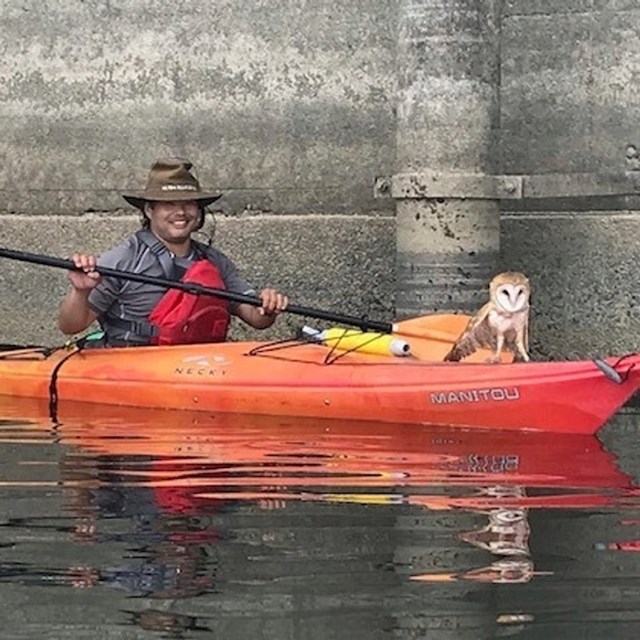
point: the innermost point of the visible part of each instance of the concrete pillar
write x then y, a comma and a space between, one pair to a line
448, 225
455, 608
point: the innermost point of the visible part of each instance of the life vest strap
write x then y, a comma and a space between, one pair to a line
137, 327
160, 252
174, 267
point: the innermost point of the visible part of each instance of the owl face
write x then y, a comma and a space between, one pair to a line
512, 297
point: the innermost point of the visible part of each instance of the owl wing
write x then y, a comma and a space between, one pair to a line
472, 337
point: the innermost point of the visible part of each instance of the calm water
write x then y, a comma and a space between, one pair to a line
124, 524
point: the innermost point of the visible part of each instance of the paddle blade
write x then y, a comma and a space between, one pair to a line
446, 325
432, 336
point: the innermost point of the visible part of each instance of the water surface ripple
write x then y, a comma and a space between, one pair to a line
120, 523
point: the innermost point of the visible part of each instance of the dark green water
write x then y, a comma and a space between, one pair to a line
116, 524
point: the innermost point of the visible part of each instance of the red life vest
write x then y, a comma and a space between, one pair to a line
186, 318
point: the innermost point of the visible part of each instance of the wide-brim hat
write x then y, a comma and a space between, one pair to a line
171, 180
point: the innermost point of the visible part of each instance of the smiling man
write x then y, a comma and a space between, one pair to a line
132, 314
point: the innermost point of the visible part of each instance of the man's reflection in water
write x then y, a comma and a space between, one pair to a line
166, 526
168, 571
173, 623
506, 535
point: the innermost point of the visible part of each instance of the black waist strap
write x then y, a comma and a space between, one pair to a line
140, 328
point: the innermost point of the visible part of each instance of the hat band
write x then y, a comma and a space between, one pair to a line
178, 187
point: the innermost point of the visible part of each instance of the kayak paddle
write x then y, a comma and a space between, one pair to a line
437, 326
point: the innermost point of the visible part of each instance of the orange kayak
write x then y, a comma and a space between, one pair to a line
314, 381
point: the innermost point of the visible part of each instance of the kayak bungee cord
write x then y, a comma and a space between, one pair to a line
292, 343
13, 351
336, 350
8, 351
75, 347
53, 385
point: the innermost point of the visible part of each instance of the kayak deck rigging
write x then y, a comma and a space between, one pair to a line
15, 351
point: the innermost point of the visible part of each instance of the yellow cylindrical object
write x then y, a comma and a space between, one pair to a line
365, 342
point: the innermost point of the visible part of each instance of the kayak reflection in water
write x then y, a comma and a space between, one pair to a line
131, 313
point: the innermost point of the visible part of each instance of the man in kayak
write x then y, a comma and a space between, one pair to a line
131, 313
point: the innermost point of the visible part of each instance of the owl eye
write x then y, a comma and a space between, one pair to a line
510, 515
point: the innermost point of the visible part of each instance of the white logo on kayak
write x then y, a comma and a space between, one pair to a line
202, 366
202, 361
492, 394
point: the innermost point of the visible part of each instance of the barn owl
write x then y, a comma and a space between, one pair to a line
502, 322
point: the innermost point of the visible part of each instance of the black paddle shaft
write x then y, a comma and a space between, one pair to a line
362, 323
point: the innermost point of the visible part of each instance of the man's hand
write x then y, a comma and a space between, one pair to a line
273, 302
88, 278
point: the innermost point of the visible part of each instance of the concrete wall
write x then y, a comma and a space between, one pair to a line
288, 106
570, 102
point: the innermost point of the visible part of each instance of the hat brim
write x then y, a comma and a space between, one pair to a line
138, 198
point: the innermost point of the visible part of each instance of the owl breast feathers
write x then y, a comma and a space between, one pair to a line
501, 323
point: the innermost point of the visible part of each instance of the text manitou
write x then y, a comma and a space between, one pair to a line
493, 394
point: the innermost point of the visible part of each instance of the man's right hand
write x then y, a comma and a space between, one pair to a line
88, 278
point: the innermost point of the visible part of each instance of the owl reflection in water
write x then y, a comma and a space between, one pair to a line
501, 323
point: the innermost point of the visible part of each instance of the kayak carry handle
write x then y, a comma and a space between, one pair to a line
608, 371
